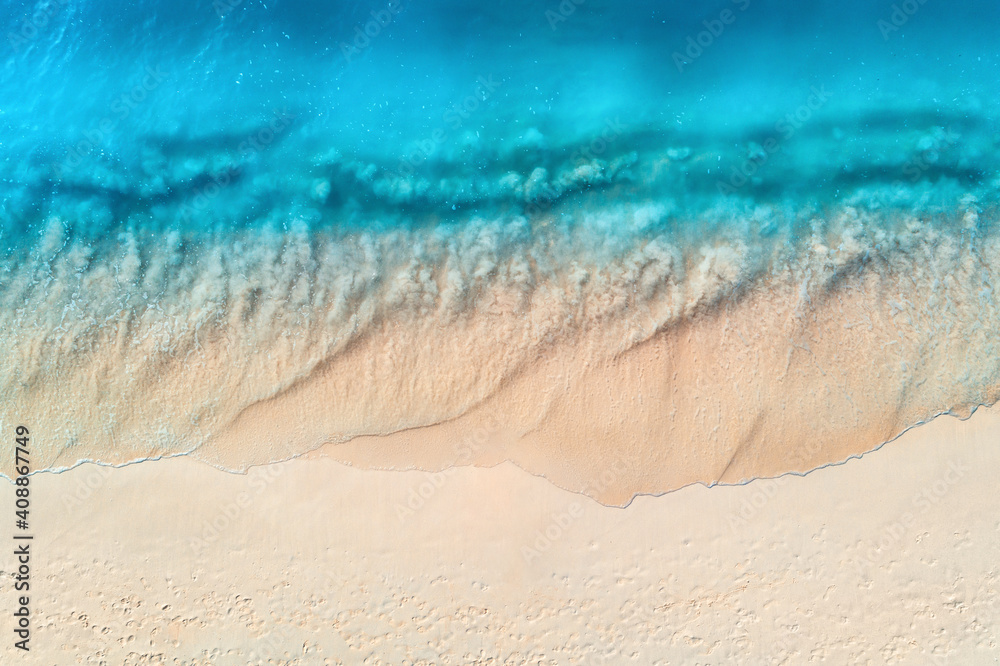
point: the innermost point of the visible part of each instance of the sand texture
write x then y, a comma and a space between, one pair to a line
885, 559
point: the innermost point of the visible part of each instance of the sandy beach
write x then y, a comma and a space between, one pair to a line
558, 332
889, 558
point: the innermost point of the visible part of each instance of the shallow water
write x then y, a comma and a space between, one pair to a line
245, 229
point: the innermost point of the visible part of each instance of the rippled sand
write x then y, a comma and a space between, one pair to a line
616, 339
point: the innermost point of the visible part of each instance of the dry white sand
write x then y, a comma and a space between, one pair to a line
891, 558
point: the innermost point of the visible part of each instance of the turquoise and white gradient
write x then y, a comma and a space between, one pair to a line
244, 229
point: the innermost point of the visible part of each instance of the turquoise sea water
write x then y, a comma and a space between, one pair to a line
132, 112
285, 176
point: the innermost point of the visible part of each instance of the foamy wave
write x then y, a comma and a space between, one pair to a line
352, 301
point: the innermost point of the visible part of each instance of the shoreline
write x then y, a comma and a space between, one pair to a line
324, 561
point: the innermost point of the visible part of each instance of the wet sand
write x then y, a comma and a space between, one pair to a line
888, 558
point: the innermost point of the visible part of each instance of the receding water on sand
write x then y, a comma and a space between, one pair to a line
706, 248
